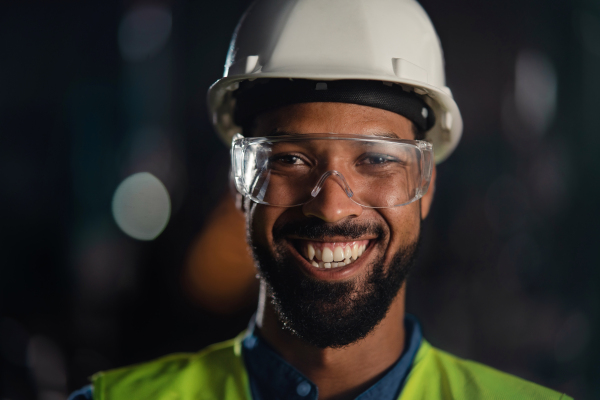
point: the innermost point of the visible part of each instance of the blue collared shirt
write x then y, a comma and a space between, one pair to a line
271, 377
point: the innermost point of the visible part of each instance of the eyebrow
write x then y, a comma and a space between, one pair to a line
390, 135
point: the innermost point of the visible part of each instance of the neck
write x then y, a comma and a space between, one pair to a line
341, 373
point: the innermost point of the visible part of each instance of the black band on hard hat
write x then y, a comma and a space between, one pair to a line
260, 95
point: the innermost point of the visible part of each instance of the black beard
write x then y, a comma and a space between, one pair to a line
331, 314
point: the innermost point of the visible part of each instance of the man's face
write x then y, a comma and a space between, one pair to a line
333, 307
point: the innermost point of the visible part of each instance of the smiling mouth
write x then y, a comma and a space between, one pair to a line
331, 254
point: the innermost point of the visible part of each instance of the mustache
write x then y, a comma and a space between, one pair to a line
316, 229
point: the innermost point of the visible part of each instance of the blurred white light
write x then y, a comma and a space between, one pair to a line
144, 31
141, 206
535, 90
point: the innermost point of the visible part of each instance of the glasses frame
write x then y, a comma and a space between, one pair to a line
239, 145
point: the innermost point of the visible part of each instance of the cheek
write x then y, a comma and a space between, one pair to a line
404, 223
260, 220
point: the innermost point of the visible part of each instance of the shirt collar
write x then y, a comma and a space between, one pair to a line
271, 377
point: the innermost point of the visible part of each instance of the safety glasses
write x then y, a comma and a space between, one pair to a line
291, 170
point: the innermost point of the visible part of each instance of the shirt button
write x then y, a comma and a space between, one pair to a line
303, 388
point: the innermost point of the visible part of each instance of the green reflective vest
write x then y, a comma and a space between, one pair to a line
218, 373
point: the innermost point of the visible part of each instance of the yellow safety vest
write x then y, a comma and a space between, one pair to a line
218, 373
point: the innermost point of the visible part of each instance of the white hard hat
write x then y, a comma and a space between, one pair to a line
376, 40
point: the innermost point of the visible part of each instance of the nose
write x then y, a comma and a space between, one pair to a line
332, 201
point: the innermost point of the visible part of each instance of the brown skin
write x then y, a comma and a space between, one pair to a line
341, 373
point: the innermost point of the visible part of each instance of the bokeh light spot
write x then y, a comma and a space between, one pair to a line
144, 31
536, 88
141, 206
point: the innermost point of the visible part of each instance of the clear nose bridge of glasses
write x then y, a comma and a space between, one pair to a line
338, 178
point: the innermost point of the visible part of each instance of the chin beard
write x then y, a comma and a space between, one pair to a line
331, 314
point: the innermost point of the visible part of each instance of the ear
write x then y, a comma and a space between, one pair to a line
427, 199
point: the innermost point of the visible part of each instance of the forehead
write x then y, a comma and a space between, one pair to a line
343, 118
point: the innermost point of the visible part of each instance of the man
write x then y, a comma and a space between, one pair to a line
336, 111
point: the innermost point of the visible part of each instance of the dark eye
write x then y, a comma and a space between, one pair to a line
288, 159
378, 159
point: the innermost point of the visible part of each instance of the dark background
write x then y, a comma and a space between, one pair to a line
509, 269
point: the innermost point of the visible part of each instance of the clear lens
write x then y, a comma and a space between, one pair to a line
373, 172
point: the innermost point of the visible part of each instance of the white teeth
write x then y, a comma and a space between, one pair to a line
338, 257
338, 254
327, 255
311, 252
348, 252
355, 251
